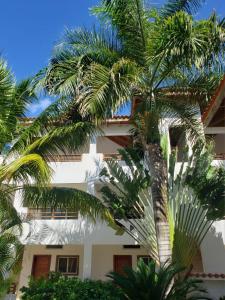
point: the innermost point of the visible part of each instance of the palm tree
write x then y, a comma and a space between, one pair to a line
163, 60
11, 249
14, 171
126, 202
151, 282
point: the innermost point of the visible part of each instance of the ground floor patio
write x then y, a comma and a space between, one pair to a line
83, 261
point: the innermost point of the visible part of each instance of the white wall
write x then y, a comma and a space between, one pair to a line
219, 143
213, 249
216, 289
30, 251
105, 145
63, 232
102, 258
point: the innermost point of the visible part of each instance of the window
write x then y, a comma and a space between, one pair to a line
67, 265
146, 258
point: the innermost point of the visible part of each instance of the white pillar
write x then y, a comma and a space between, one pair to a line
18, 202
91, 187
87, 260
93, 145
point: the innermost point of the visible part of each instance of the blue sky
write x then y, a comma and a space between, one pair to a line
30, 28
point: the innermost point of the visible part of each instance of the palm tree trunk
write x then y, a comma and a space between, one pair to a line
158, 169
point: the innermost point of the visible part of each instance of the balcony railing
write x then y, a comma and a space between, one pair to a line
220, 156
12, 288
48, 214
109, 156
64, 158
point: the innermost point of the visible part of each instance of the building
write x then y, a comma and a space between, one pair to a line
63, 241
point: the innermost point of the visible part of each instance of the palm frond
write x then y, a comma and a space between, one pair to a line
24, 95
66, 198
130, 20
63, 139
188, 219
127, 194
78, 49
60, 128
208, 182
25, 168
172, 6
108, 88
151, 282
11, 250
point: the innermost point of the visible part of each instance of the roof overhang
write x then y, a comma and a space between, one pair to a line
117, 119
214, 104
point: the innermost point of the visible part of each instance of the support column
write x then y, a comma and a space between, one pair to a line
87, 260
93, 145
91, 187
18, 202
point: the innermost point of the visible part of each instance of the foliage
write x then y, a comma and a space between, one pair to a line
164, 57
126, 202
149, 282
166, 60
58, 287
208, 181
11, 250
14, 172
188, 219
65, 198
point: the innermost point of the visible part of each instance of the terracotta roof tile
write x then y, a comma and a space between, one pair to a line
114, 118
213, 101
207, 275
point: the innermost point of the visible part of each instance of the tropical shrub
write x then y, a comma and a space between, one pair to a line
58, 287
150, 282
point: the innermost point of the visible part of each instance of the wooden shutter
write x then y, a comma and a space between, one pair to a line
122, 261
41, 266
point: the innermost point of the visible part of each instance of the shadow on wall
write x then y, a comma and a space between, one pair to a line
82, 230
213, 258
213, 249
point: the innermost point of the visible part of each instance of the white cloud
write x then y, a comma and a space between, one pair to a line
36, 108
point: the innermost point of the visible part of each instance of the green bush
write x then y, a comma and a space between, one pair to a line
58, 287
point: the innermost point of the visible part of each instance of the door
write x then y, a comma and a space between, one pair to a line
41, 266
122, 261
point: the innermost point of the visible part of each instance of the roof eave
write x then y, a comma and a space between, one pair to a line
214, 103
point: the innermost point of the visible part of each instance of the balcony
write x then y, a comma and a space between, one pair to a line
219, 156
65, 158
49, 214
109, 156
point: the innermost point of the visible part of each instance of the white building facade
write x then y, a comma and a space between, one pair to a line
65, 242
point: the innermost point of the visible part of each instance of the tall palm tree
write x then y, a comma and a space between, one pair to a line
14, 171
163, 60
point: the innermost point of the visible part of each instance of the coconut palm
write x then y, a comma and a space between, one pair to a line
163, 60
11, 249
14, 171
